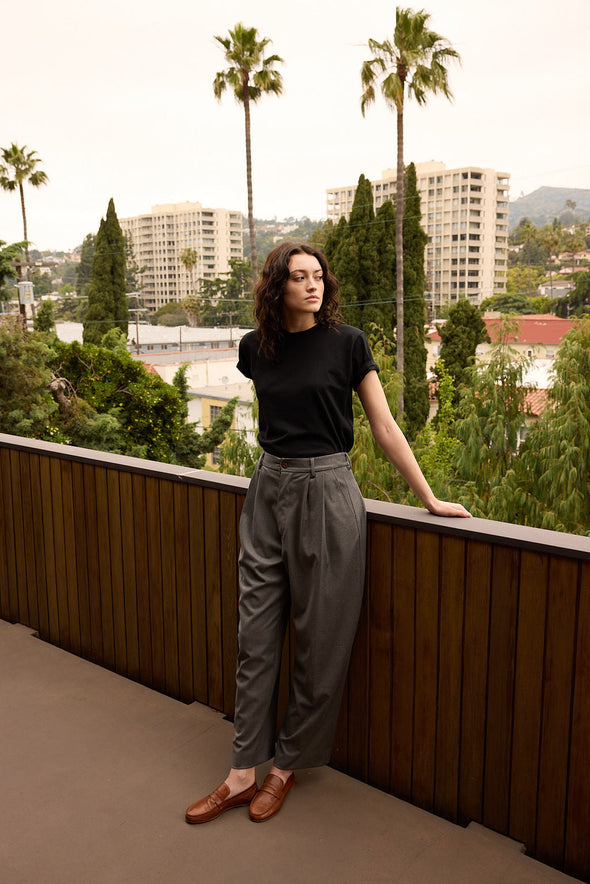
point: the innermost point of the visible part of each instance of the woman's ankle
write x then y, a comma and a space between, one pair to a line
239, 780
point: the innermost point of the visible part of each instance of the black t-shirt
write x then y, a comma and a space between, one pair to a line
305, 399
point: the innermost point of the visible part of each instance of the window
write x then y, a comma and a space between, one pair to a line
214, 411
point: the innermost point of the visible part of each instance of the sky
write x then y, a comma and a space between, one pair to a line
116, 98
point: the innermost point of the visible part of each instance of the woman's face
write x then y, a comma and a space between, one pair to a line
303, 293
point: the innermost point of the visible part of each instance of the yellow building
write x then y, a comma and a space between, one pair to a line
160, 237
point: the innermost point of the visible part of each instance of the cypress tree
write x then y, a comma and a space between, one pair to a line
416, 399
107, 301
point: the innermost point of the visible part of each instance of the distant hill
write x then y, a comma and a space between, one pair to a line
546, 203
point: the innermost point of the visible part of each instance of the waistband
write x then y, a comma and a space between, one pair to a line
310, 465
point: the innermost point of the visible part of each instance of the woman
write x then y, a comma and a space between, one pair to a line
303, 526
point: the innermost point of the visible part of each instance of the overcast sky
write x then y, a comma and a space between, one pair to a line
116, 97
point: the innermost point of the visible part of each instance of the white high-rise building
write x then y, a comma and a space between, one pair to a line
160, 238
465, 216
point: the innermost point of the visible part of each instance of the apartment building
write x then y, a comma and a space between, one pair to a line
465, 216
160, 238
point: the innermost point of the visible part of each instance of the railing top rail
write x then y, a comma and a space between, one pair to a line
481, 530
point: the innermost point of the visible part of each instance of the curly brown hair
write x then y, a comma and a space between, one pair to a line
268, 295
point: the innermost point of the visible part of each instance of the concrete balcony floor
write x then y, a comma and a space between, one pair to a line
96, 772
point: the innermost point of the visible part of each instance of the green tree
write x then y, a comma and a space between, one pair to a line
375, 475
44, 320
510, 301
552, 486
188, 258
249, 75
460, 336
414, 61
84, 270
490, 423
577, 302
26, 405
19, 167
10, 256
436, 446
416, 397
107, 300
353, 252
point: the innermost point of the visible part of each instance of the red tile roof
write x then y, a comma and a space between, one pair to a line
533, 328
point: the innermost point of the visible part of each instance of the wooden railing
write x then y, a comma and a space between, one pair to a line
469, 687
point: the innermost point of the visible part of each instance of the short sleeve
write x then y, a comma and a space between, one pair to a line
245, 357
362, 359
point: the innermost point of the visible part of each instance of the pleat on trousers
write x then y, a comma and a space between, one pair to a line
303, 549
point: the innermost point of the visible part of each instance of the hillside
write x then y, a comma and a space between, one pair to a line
546, 203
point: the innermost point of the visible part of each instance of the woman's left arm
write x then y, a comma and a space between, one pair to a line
394, 444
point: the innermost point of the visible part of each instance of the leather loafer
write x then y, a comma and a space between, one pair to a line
213, 805
269, 799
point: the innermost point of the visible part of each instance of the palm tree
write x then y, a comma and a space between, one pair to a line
19, 166
189, 258
250, 75
415, 59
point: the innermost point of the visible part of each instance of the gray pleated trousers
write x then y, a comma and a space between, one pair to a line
303, 548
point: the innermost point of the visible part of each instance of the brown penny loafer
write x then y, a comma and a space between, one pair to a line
213, 805
269, 799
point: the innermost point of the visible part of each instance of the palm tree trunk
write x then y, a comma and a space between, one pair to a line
399, 254
26, 235
249, 183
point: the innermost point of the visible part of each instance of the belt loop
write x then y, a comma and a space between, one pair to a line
261, 461
312, 467
348, 462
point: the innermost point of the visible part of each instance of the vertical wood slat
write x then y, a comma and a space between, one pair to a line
557, 704
129, 575
92, 560
71, 579
52, 633
403, 662
183, 593
142, 580
169, 602
103, 537
153, 516
425, 704
213, 599
198, 594
80, 552
117, 586
229, 593
478, 575
577, 852
29, 574
380, 657
59, 546
22, 602
38, 541
5, 531
502, 653
528, 696
448, 731
358, 689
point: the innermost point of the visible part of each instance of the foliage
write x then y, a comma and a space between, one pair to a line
416, 397
436, 446
44, 320
238, 454
107, 301
171, 314
553, 483
460, 336
26, 405
225, 300
84, 271
577, 302
249, 75
375, 475
150, 414
9, 256
491, 419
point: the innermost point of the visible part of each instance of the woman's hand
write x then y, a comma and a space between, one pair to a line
443, 508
